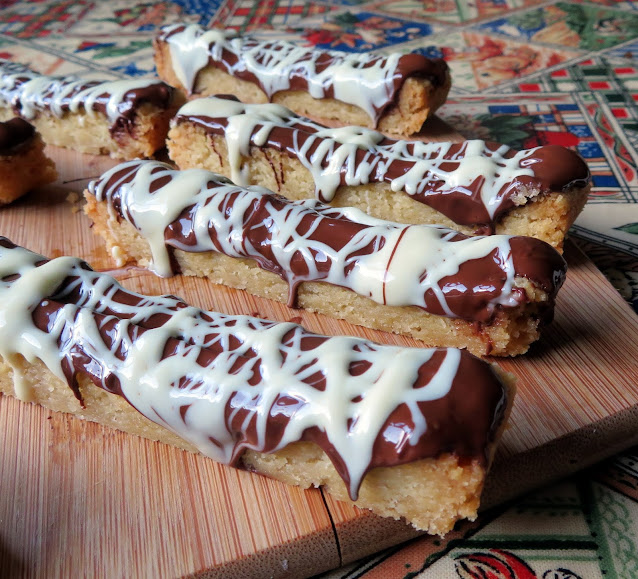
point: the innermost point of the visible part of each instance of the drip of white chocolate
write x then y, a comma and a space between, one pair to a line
364, 80
408, 261
351, 410
58, 94
335, 155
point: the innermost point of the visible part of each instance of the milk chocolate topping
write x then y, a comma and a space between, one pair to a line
229, 383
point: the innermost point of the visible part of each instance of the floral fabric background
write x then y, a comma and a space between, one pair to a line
526, 73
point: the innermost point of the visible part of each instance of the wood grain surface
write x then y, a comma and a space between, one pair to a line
78, 498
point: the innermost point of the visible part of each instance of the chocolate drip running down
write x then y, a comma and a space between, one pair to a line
472, 183
29, 93
231, 383
431, 267
368, 80
14, 135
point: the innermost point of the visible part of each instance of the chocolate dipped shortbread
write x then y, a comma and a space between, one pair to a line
23, 163
126, 119
473, 187
490, 294
405, 432
395, 93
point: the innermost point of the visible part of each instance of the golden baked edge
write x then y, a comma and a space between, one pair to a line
91, 133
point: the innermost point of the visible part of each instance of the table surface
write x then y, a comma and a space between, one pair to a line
524, 75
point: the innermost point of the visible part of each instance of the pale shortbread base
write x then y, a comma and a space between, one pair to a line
91, 134
24, 171
431, 494
509, 333
416, 101
547, 216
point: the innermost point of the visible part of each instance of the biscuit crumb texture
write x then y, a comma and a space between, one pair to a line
91, 133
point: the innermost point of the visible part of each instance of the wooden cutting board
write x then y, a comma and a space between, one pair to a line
78, 498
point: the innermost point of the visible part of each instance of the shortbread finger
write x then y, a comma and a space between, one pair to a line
405, 432
395, 93
126, 119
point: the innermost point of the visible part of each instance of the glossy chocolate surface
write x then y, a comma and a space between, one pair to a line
280, 65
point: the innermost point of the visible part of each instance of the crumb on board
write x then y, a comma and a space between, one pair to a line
74, 199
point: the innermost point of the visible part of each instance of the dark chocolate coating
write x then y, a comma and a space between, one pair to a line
158, 94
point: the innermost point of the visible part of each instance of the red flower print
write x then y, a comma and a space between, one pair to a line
540, 138
495, 564
320, 36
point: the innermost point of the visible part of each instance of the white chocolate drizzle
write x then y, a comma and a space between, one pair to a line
364, 80
359, 155
406, 262
218, 365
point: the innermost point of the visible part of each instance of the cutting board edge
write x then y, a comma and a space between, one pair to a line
285, 560
588, 449
560, 457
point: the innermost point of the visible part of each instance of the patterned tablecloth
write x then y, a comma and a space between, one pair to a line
526, 73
